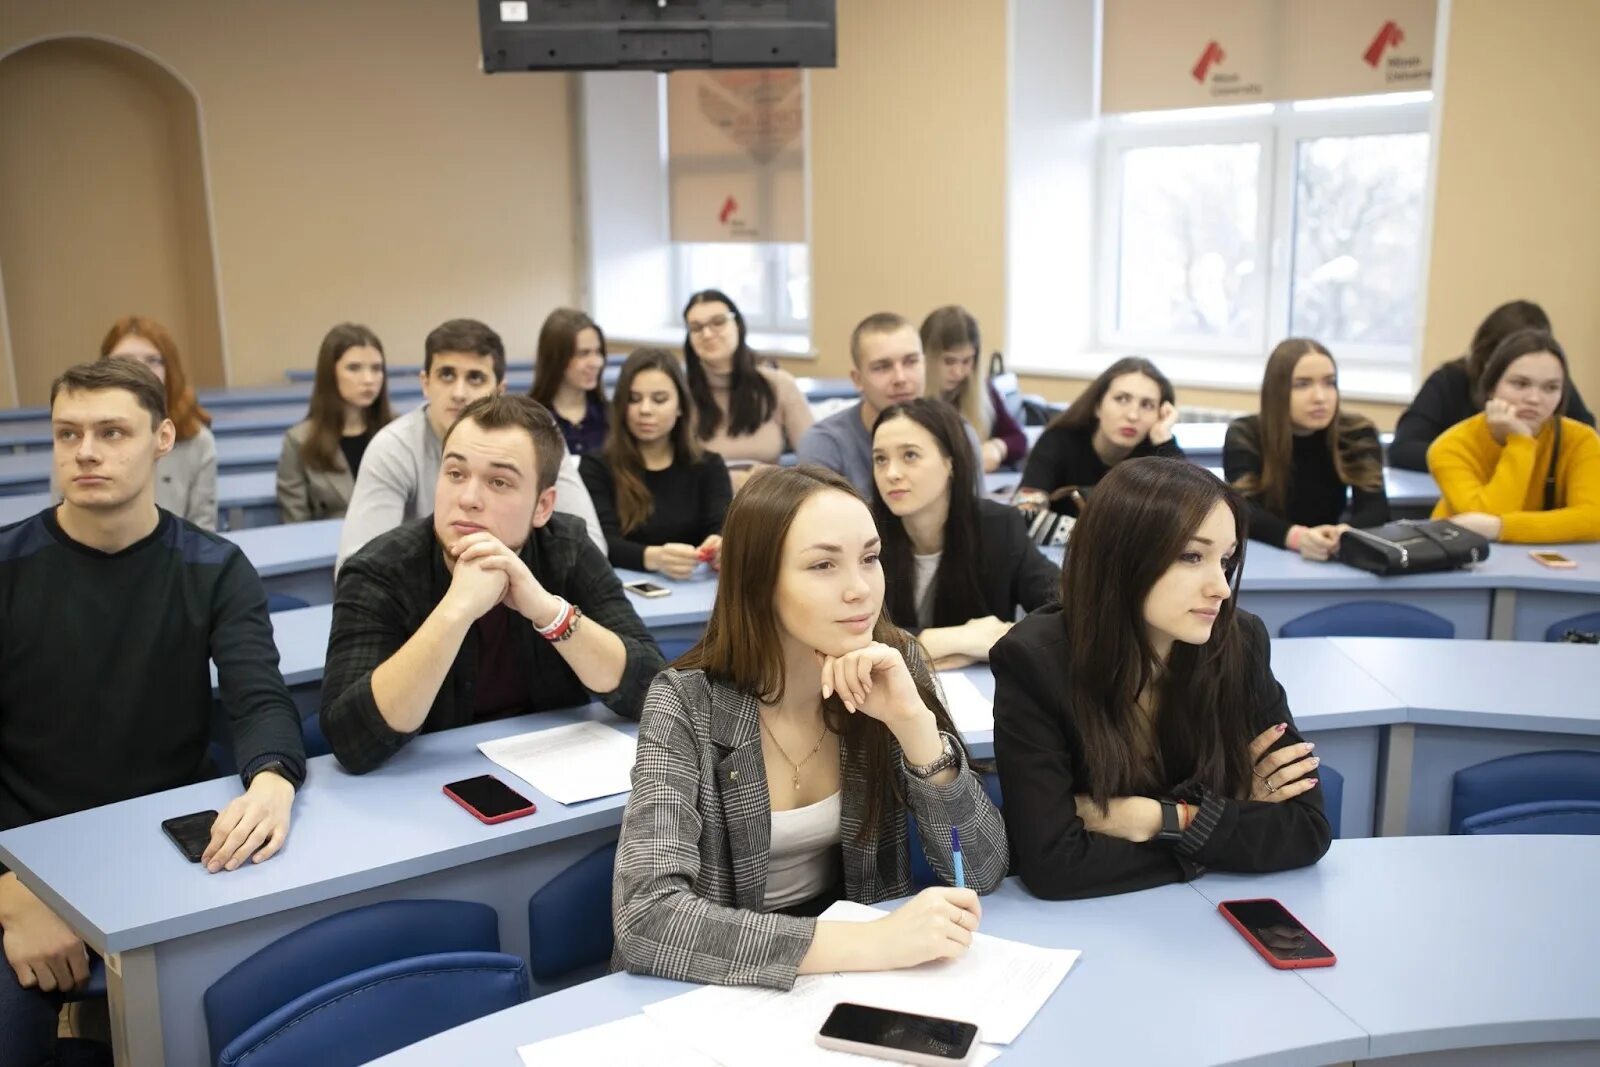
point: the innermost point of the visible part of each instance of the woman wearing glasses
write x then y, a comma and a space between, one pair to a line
747, 414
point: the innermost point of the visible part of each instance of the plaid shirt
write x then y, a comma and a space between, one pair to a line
386, 591
692, 861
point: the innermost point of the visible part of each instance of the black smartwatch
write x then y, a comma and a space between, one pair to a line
1171, 825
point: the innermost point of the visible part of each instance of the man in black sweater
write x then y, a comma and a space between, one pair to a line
491, 607
110, 610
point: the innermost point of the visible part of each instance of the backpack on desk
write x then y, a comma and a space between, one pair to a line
1412, 547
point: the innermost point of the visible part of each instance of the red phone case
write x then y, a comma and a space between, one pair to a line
1283, 965
491, 819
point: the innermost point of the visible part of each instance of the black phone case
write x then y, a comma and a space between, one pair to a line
190, 833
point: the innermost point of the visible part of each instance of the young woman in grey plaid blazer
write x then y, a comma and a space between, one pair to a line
780, 759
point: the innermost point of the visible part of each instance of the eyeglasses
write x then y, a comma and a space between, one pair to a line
715, 322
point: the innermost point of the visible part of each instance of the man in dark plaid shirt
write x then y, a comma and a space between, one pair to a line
491, 607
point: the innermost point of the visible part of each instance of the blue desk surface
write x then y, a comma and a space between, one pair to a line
252, 489
349, 834
1132, 945
291, 547
1269, 569
30, 471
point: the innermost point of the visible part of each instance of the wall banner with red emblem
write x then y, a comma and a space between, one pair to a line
736, 155
1160, 54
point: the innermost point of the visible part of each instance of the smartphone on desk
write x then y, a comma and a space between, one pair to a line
191, 833
647, 589
1553, 559
901, 1036
1282, 940
490, 799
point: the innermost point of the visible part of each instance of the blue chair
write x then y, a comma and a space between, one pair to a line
1332, 784
311, 731
1556, 792
570, 936
363, 983
284, 602
671, 650
1368, 618
1589, 623
922, 875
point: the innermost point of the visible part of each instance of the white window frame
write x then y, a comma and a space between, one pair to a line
1387, 370
775, 267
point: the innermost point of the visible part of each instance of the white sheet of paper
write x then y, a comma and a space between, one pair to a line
739, 1026
568, 763
629, 1040
969, 709
999, 984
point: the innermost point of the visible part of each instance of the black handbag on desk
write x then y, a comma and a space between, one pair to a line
1412, 547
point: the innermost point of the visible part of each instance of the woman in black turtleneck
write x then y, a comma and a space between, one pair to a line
1307, 469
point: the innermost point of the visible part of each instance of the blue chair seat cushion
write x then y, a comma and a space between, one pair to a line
373, 1012
1538, 817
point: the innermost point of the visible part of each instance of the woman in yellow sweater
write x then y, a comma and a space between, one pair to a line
1521, 472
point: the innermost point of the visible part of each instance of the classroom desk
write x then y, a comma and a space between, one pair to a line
681, 615
1470, 701
1202, 441
1450, 944
1412, 494
1239, 1011
243, 500
294, 558
172, 930
1434, 957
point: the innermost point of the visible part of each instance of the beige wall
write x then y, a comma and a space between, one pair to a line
1516, 213
102, 212
907, 163
360, 167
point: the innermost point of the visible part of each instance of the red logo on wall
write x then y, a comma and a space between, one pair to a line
1212, 55
1388, 37
729, 206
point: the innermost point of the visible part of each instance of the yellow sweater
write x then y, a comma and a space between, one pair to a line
1477, 473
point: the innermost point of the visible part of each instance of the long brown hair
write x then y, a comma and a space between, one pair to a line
957, 596
558, 343
741, 647
1136, 525
1081, 413
950, 327
1496, 326
326, 410
183, 407
634, 503
1351, 439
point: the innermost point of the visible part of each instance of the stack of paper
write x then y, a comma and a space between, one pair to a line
630, 1040
568, 763
970, 710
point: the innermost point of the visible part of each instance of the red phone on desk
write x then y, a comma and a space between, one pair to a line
1282, 940
490, 799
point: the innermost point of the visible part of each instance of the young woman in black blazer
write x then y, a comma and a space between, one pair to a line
958, 567
1127, 412
1307, 468
660, 497
1140, 735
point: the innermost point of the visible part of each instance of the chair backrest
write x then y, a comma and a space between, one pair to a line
1368, 618
1540, 817
285, 602
340, 945
1331, 782
569, 917
1569, 776
1009, 390
358, 1017
1589, 623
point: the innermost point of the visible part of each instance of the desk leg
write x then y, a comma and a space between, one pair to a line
1394, 791
134, 992
1503, 615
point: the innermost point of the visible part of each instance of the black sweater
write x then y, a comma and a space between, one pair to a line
689, 503
1066, 457
1316, 496
1042, 767
1012, 572
1444, 400
105, 677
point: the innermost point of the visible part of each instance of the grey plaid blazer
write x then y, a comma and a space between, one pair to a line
691, 871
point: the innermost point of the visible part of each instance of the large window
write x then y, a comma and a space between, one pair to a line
1225, 230
771, 283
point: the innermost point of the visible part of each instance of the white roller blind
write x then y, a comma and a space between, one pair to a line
736, 155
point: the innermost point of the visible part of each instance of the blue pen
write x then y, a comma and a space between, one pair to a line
955, 854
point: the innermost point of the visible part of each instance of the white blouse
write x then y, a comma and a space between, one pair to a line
804, 860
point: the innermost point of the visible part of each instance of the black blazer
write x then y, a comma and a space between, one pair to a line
1041, 762
1012, 572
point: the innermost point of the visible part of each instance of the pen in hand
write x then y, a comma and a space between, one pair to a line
955, 855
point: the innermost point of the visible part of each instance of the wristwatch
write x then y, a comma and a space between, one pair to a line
277, 767
1171, 825
947, 758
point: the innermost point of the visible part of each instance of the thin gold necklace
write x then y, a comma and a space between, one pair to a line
795, 766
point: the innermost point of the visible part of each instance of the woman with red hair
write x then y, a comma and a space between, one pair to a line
186, 477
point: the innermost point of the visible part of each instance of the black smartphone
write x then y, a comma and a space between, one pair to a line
1282, 940
490, 799
647, 589
902, 1036
191, 833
